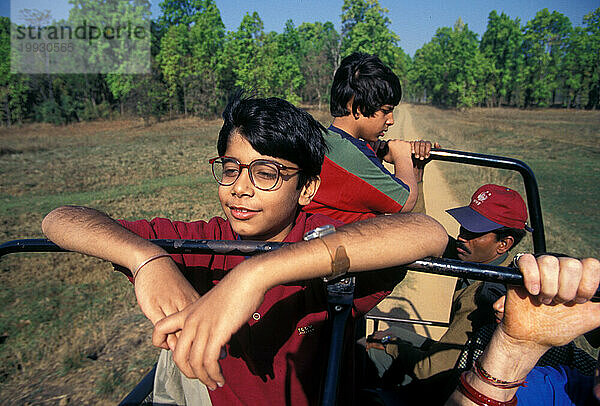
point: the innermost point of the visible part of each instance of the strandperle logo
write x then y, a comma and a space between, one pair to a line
97, 37
86, 31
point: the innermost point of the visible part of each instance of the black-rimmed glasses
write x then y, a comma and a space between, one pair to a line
264, 174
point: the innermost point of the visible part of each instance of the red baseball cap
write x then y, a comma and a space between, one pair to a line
492, 207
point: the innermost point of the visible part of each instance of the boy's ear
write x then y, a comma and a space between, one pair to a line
309, 190
349, 108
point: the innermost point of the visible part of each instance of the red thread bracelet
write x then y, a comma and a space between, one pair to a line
498, 383
479, 398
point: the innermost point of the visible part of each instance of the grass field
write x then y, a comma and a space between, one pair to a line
561, 146
70, 330
70, 327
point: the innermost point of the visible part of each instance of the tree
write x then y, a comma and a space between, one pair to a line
319, 53
501, 44
365, 28
204, 94
543, 48
181, 12
450, 70
575, 71
173, 60
13, 86
266, 62
190, 60
286, 76
242, 54
402, 68
592, 60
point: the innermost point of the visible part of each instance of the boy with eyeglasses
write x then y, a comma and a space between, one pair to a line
270, 156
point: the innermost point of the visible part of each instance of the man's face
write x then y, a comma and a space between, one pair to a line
265, 215
371, 128
478, 247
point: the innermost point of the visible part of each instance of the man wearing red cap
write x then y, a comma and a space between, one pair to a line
491, 225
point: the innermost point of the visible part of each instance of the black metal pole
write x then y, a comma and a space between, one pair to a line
440, 266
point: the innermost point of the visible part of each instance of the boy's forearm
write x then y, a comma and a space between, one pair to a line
381, 242
408, 178
403, 170
92, 232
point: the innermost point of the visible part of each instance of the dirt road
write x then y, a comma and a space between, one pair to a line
422, 296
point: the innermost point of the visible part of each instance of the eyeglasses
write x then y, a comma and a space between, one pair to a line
263, 173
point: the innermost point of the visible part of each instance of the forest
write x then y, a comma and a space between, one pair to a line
195, 64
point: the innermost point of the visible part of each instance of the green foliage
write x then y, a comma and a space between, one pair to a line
189, 59
592, 57
543, 48
267, 62
13, 86
501, 44
148, 98
450, 69
195, 64
182, 12
319, 53
365, 28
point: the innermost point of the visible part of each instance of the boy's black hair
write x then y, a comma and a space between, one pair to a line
366, 79
276, 128
516, 233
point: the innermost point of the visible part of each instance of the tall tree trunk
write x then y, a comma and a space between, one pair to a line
7, 107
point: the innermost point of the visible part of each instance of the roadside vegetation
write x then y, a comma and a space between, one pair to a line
196, 63
70, 329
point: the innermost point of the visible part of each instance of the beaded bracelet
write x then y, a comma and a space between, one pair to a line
498, 383
479, 398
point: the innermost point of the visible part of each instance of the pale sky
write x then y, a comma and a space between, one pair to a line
415, 22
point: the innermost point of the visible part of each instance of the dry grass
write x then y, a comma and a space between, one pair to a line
70, 327
561, 146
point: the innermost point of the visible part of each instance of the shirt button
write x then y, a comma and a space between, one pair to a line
256, 316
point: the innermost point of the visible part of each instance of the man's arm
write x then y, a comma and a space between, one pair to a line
92, 232
530, 328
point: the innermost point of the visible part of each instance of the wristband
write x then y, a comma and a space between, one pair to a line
479, 398
486, 377
340, 263
140, 266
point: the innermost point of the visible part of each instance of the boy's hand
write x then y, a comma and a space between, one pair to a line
207, 325
420, 152
162, 290
421, 149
